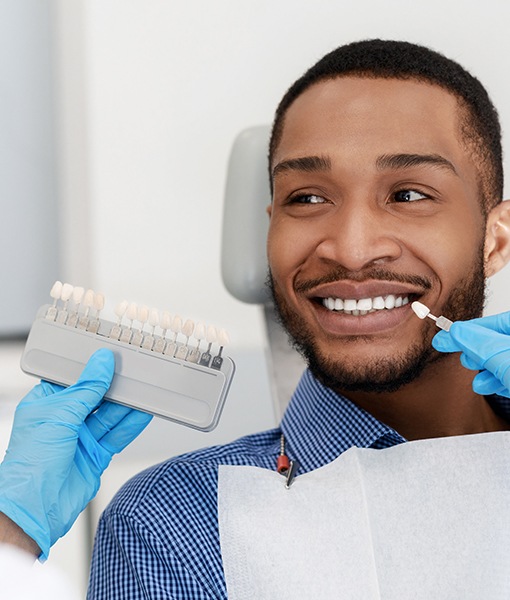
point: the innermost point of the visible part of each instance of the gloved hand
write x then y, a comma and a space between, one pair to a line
485, 347
59, 448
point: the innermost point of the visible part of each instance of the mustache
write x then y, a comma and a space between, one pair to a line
375, 273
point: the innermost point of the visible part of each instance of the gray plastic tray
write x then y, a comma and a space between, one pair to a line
159, 384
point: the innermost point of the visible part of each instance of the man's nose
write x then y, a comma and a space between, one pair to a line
360, 236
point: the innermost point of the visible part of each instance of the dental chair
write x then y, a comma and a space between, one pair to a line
243, 253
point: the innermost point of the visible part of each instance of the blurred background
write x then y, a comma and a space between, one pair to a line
116, 122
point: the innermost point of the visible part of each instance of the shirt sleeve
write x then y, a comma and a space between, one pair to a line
130, 562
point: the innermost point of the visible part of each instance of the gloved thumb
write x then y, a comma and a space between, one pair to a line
479, 343
94, 381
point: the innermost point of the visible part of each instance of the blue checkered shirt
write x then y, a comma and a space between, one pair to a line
159, 536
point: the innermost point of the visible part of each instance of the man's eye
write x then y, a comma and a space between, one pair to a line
307, 199
408, 196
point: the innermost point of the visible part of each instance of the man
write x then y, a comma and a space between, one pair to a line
385, 163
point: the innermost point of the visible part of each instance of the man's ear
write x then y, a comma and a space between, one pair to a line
497, 238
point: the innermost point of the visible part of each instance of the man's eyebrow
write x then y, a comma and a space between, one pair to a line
305, 163
407, 161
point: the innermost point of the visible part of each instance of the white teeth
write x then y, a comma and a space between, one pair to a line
378, 303
350, 306
389, 301
364, 304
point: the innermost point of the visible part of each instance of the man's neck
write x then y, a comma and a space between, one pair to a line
441, 402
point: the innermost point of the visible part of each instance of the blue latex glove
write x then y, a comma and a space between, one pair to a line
59, 448
485, 347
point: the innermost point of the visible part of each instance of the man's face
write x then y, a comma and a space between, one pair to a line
376, 199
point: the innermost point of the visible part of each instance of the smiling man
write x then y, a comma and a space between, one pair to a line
380, 199
385, 163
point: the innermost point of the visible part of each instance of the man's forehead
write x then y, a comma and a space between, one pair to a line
368, 108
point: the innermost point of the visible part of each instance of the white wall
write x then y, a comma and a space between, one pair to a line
28, 247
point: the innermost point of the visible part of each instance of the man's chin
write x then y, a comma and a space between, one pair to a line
375, 375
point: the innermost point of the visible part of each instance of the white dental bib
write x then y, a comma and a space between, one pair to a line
424, 520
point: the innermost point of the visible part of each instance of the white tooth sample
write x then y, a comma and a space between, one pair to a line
199, 334
142, 314
166, 321
364, 304
67, 292
55, 293
350, 304
389, 301
132, 311
211, 335
88, 298
121, 308
223, 338
339, 304
176, 324
378, 303
154, 318
398, 301
99, 301
78, 294
56, 290
188, 327
420, 309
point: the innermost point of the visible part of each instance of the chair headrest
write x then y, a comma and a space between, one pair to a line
245, 221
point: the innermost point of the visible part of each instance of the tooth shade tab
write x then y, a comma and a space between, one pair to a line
420, 310
67, 292
56, 290
423, 311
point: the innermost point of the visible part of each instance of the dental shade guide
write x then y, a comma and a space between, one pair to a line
423, 311
169, 377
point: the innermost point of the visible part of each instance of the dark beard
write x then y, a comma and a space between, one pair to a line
382, 374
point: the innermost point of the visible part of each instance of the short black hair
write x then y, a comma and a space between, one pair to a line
480, 126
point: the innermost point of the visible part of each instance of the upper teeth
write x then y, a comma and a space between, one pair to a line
365, 305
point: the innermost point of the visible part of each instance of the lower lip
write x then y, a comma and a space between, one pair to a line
338, 323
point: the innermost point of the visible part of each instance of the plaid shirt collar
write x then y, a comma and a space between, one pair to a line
319, 425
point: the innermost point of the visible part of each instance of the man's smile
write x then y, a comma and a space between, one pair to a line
361, 308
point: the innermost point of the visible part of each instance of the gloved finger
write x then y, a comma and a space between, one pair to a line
93, 383
91, 458
486, 384
499, 322
126, 431
106, 417
443, 342
41, 390
470, 363
478, 343
98, 372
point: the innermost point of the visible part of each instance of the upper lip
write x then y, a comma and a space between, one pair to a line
367, 289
